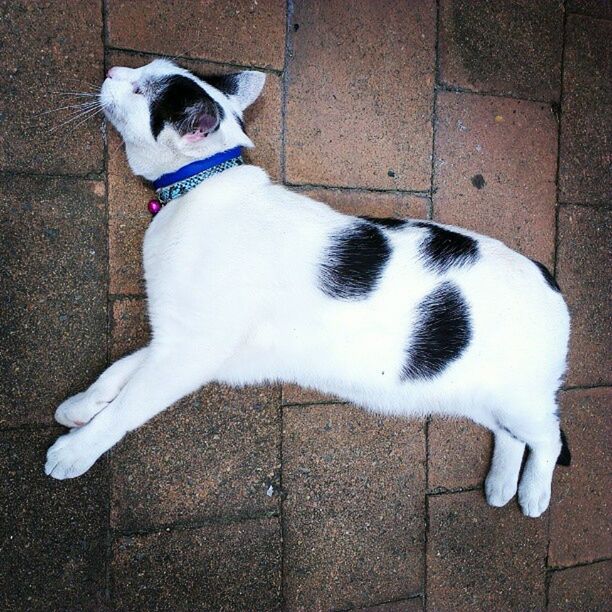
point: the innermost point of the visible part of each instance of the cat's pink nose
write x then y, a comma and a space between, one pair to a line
112, 72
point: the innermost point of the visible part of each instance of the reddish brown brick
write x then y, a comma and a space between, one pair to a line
375, 204
218, 567
584, 163
580, 512
483, 558
130, 327
54, 533
53, 318
240, 32
215, 454
459, 454
583, 271
49, 47
504, 47
495, 170
581, 588
360, 95
354, 511
128, 195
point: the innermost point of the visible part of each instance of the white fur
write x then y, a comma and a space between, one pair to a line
231, 275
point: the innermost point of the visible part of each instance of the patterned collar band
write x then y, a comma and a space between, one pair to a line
175, 184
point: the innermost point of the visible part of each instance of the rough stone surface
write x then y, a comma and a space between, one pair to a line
483, 558
215, 454
580, 512
583, 272
584, 169
495, 168
353, 515
459, 454
242, 32
360, 93
130, 328
53, 535
581, 588
596, 8
53, 317
408, 605
217, 567
47, 48
505, 47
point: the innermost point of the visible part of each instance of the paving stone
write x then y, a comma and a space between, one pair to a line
217, 567
483, 558
459, 454
53, 319
581, 588
597, 8
294, 394
241, 32
580, 512
583, 272
128, 194
215, 454
375, 204
130, 330
354, 511
495, 169
584, 162
48, 47
360, 96
506, 47
408, 605
53, 536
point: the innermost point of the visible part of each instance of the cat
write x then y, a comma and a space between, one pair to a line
249, 282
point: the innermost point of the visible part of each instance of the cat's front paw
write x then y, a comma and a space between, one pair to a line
500, 489
70, 456
79, 409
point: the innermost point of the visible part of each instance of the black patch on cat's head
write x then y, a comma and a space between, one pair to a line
548, 277
354, 261
387, 222
442, 249
180, 102
225, 83
441, 333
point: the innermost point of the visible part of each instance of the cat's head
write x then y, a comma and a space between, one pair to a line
169, 117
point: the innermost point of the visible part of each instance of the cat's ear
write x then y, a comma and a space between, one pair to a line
247, 87
204, 124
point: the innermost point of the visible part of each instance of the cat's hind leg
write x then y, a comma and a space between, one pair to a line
79, 409
538, 428
502, 480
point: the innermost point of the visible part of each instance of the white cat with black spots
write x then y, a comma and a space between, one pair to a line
248, 282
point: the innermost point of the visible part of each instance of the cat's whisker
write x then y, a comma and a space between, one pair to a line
89, 116
75, 93
84, 105
90, 112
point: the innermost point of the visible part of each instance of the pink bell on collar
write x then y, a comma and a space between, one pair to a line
154, 206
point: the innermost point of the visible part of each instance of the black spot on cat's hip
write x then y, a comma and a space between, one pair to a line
478, 181
548, 277
354, 261
442, 248
387, 222
441, 333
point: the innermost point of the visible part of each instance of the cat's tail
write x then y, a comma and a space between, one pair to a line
565, 456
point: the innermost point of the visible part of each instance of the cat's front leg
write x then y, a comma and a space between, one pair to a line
79, 409
160, 380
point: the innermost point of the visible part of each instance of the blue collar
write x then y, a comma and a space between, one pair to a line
175, 184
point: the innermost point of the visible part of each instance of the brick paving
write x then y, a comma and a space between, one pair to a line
490, 115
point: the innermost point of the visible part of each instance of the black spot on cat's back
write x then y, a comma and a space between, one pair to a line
441, 333
548, 277
442, 249
354, 261
387, 222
